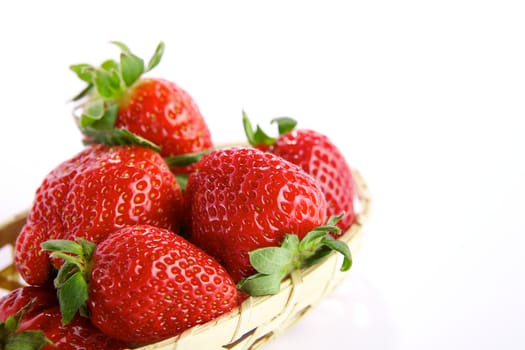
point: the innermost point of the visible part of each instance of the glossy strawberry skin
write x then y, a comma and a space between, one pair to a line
79, 334
99, 190
240, 199
318, 156
162, 112
148, 284
43, 313
41, 298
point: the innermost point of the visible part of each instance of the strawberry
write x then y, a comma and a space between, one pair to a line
15, 307
96, 192
30, 319
316, 154
144, 283
77, 334
240, 199
39, 298
119, 105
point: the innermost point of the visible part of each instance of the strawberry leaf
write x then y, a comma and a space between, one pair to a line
319, 254
123, 47
62, 245
117, 137
110, 65
27, 340
84, 71
334, 219
312, 239
340, 247
290, 242
72, 259
157, 56
257, 137
11, 339
93, 111
71, 280
86, 91
131, 68
107, 121
107, 84
271, 260
67, 270
72, 297
88, 248
182, 180
185, 159
274, 263
284, 124
261, 284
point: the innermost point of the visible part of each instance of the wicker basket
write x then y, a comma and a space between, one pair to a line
258, 319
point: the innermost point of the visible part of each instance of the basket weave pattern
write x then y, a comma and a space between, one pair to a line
257, 319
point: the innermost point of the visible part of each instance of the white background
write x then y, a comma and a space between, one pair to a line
425, 98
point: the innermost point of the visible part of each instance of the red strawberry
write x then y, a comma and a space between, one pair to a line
119, 98
76, 335
39, 298
30, 319
240, 199
16, 307
96, 192
316, 154
146, 284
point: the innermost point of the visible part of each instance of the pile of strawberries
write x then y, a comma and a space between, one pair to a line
151, 229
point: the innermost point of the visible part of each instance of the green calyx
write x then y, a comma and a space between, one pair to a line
10, 339
258, 137
273, 264
107, 84
111, 79
72, 279
182, 160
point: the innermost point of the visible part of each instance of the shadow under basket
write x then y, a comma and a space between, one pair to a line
258, 319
